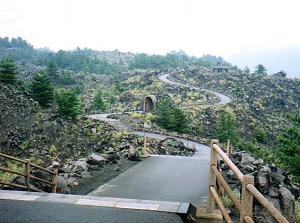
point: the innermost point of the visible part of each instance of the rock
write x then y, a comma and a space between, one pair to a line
72, 181
262, 183
95, 159
273, 191
55, 164
287, 203
79, 166
277, 178
85, 174
249, 168
62, 185
117, 168
261, 215
133, 154
94, 131
258, 162
246, 159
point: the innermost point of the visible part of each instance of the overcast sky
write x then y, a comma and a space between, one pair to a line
154, 26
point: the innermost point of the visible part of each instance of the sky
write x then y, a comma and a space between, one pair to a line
218, 27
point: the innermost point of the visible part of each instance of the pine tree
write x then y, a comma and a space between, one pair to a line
8, 71
169, 117
260, 69
68, 103
98, 102
52, 71
42, 90
289, 148
226, 127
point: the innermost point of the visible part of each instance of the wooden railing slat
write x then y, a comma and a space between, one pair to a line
27, 175
13, 185
247, 219
42, 168
220, 205
266, 204
12, 171
42, 180
228, 161
228, 190
12, 158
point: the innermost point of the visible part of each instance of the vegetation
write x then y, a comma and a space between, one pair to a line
68, 103
8, 71
260, 135
42, 90
260, 69
226, 127
169, 117
98, 102
289, 148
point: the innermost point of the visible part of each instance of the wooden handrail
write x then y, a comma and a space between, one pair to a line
247, 219
245, 204
228, 161
220, 204
228, 190
266, 204
42, 168
12, 171
12, 158
27, 175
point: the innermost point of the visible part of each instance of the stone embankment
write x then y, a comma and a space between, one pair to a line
270, 180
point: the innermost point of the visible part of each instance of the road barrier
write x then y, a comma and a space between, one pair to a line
244, 204
27, 169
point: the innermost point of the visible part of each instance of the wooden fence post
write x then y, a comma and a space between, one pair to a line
27, 173
212, 177
246, 198
54, 181
228, 148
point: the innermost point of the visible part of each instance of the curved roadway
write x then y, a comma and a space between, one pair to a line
223, 98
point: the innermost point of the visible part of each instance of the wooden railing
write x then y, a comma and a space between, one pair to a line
244, 204
27, 169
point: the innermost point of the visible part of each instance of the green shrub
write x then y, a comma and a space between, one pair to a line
68, 103
260, 135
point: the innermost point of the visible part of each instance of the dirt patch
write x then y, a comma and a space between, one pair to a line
86, 185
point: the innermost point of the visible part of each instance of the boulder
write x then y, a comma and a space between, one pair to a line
287, 203
62, 185
85, 174
133, 154
79, 166
95, 159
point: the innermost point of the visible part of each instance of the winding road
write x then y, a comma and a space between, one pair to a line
223, 98
166, 178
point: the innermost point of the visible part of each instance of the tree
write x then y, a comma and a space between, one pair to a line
226, 127
260, 69
42, 90
68, 103
289, 148
247, 70
260, 135
52, 71
98, 102
169, 117
8, 71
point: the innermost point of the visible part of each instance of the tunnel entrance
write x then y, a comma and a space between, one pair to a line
149, 103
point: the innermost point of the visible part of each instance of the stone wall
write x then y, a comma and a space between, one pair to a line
270, 180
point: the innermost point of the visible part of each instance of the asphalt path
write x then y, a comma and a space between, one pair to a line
48, 212
163, 178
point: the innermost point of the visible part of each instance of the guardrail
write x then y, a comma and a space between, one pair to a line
27, 168
244, 204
